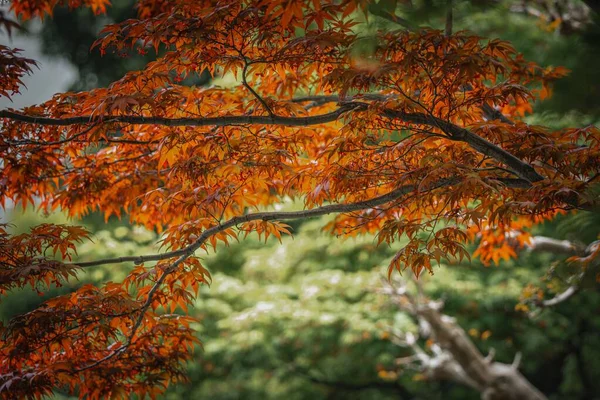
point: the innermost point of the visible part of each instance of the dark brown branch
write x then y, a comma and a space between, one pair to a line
455, 132
138, 322
187, 252
492, 114
206, 121
269, 216
520, 168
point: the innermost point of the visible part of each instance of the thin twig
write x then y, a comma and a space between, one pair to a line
256, 95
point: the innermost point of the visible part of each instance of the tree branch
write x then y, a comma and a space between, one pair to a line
256, 95
543, 243
520, 168
202, 121
269, 216
138, 322
559, 298
287, 215
565, 247
455, 132
456, 357
187, 252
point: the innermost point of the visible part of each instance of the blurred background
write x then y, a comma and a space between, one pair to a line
308, 319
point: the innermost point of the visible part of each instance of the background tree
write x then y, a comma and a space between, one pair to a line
409, 111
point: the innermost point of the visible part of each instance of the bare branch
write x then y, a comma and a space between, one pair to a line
543, 243
566, 247
561, 297
455, 357
517, 360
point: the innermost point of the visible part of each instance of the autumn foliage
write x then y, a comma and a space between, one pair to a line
418, 135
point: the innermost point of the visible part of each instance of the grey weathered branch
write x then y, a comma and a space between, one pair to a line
571, 16
561, 297
563, 247
453, 356
551, 245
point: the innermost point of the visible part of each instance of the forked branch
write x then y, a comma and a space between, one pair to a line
453, 356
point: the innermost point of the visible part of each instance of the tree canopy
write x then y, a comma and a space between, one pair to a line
413, 133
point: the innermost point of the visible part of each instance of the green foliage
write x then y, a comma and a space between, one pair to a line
290, 316
304, 319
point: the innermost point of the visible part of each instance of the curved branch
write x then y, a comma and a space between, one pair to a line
456, 357
186, 252
522, 169
559, 298
251, 90
138, 322
543, 243
201, 121
455, 132
269, 216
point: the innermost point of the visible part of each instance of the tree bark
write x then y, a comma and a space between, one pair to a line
494, 380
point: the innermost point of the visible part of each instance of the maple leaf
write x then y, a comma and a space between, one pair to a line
420, 140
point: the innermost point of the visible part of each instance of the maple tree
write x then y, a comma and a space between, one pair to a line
419, 136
